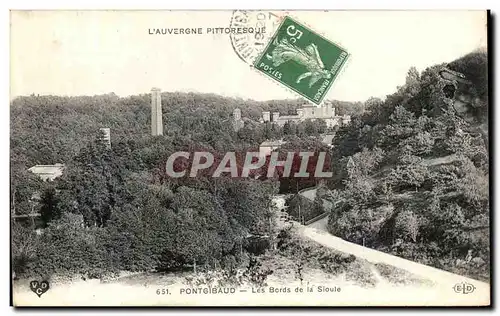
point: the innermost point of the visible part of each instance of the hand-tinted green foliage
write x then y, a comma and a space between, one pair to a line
414, 175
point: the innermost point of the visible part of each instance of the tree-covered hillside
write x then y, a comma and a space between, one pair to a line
114, 209
410, 178
412, 174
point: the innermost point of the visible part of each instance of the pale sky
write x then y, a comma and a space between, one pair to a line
97, 52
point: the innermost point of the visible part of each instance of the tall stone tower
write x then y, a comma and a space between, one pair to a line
106, 133
329, 109
237, 114
238, 123
266, 116
156, 114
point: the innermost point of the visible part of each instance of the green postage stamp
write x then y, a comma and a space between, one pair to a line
302, 60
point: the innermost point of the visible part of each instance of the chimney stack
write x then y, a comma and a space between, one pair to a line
156, 113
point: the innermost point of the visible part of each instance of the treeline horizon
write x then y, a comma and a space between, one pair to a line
236, 98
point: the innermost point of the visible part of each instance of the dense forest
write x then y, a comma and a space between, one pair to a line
114, 209
412, 176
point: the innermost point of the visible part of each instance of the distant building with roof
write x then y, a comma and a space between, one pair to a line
48, 172
267, 147
309, 112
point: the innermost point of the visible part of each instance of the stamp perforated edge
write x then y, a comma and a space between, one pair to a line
342, 67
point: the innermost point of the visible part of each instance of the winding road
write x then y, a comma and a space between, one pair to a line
444, 282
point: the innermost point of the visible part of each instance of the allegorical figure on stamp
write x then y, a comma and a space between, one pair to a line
308, 57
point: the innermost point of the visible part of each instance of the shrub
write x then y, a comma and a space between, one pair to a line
67, 248
308, 209
406, 226
308, 253
24, 247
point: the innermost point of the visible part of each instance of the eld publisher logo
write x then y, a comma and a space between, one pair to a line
464, 288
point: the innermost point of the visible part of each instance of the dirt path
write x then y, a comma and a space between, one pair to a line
320, 225
441, 278
445, 281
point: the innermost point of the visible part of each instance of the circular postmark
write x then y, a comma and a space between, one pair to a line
248, 46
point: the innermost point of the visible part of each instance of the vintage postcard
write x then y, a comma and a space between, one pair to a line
249, 158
